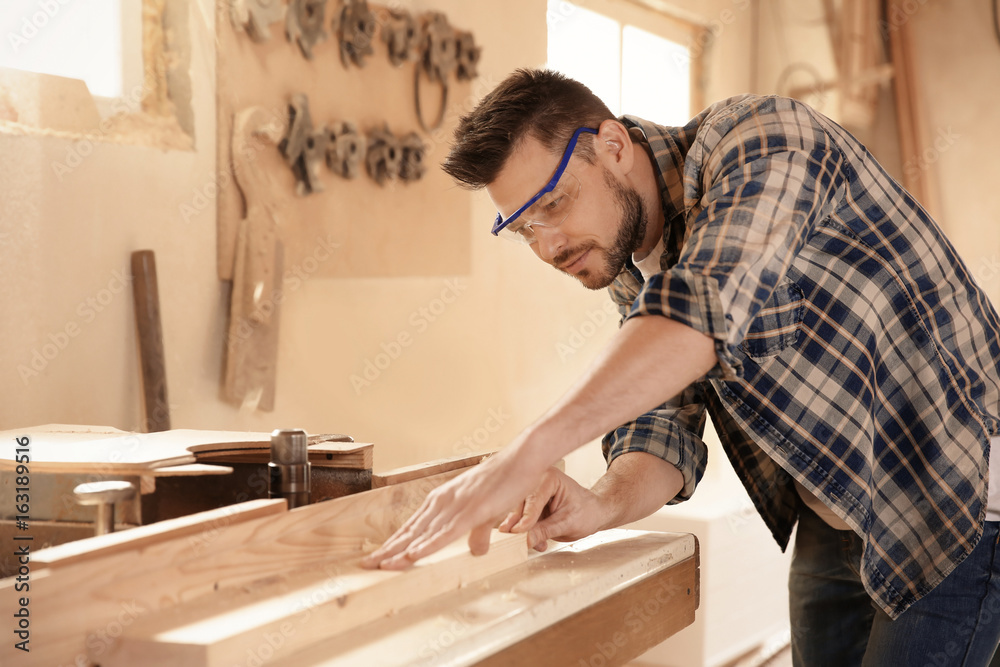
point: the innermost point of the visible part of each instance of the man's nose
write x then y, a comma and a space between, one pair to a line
549, 242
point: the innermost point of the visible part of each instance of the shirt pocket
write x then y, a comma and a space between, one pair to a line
778, 323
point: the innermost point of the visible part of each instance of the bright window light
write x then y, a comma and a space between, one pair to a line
586, 46
79, 39
633, 70
656, 77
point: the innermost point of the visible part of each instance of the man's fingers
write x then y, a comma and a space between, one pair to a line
400, 541
535, 504
513, 517
479, 539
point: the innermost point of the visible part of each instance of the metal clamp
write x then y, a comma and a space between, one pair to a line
411, 166
289, 468
255, 17
401, 35
345, 149
356, 29
304, 24
384, 155
467, 58
104, 495
303, 148
439, 47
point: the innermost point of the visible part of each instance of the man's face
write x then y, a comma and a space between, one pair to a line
604, 227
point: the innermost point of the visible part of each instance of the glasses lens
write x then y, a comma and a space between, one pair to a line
553, 207
518, 232
549, 211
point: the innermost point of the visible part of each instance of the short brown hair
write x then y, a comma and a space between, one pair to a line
543, 104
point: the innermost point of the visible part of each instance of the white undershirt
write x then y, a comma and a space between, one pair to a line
650, 265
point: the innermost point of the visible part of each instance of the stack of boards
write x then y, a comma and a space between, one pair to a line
256, 584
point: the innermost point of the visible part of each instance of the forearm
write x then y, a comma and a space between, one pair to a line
635, 485
651, 360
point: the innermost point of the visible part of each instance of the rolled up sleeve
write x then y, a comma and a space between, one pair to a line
673, 432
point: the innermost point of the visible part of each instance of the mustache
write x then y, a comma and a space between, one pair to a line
563, 257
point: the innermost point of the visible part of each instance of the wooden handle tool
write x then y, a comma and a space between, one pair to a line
147, 317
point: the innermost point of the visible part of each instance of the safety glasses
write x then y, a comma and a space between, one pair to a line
549, 207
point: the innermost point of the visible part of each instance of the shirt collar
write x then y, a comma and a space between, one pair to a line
668, 146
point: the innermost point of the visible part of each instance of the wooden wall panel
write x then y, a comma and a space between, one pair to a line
400, 229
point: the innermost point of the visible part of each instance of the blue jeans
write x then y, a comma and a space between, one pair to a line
835, 622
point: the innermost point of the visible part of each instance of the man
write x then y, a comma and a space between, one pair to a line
770, 273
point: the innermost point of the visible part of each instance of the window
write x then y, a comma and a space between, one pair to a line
98, 41
638, 71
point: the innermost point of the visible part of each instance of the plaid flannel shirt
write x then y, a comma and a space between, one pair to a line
856, 354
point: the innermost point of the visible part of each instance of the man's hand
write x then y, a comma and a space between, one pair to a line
649, 361
474, 501
558, 509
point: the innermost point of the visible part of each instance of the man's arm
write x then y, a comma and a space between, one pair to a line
635, 485
649, 361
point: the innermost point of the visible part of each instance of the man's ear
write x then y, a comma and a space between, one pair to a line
614, 146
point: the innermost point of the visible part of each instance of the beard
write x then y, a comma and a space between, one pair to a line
631, 231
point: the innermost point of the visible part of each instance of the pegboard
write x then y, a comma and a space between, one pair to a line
398, 229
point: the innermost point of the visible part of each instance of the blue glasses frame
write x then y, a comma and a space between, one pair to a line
500, 223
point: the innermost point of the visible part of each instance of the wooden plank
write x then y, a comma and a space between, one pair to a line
141, 452
189, 470
909, 113
131, 584
563, 590
615, 630
217, 632
137, 539
146, 295
419, 470
354, 455
250, 375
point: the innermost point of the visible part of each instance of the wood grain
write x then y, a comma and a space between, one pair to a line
137, 539
126, 585
218, 632
407, 473
250, 374
146, 295
578, 596
142, 452
617, 629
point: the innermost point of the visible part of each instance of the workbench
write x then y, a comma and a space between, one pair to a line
254, 583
